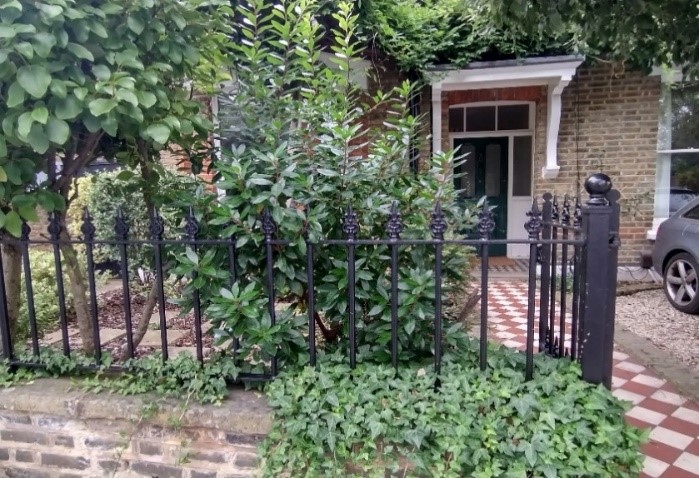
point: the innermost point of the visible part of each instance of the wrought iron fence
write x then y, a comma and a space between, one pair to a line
566, 239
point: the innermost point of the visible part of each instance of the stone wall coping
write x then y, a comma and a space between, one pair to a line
244, 412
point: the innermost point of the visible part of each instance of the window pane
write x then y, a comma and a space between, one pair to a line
522, 166
684, 182
513, 117
693, 213
467, 169
480, 118
492, 170
685, 117
456, 120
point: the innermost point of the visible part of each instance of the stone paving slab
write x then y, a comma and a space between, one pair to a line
673, 420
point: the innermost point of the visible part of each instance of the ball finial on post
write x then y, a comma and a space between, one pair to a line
597, 186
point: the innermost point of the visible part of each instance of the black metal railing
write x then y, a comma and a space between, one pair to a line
566, 240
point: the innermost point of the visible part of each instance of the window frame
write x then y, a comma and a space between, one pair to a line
495, 104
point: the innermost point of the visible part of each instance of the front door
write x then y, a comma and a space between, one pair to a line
484, 173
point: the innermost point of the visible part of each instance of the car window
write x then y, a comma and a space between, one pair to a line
692, 213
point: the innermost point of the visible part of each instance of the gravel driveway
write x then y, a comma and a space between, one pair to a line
649, 315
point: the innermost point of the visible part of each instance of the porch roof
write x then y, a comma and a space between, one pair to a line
554, 72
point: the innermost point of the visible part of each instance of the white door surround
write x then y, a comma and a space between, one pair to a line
554, 72
517, 206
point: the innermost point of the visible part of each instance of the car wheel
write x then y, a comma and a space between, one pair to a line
681, 283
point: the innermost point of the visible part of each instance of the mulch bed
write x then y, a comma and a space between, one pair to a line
111, 316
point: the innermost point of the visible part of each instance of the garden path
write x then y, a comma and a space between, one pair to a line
673, 420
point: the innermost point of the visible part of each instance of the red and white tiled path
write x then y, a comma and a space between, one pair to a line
673, 420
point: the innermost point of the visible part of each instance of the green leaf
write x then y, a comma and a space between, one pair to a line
3, 153
13, 223
25, 49
80, 52
158, 132
51, 11
68, 108
192, 256
40, 115
58, 88
7, 31
57, 130
135, 25
101, 72
3, 174
35, 79
102, 106
15, 95
128, 96
24, 123
146, 98
38, 139
43, 43
28, 213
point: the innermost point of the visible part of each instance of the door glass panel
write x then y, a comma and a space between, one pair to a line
492, 170
456, 120
513, 117
466, 170
522, 166
480, 118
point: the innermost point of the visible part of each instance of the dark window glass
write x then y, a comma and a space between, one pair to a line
522, 166
466, 170
480, 118
492, 169
693, 213
513, 117
685, 117
456, 120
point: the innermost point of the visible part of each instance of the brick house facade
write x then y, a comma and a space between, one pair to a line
582, 118
608, 122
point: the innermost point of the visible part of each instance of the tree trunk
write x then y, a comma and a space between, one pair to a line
144, 320
78, 288
12, 264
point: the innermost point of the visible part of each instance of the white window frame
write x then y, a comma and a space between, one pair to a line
663, 168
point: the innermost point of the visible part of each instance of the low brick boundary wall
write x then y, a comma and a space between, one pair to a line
50, 429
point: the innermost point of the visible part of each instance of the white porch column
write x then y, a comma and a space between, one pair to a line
437, 118
553, 124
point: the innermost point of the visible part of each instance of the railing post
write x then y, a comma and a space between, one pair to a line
600, 227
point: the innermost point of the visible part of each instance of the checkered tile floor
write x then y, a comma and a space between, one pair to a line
673, 449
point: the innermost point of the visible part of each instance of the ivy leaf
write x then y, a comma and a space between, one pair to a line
25, 49
15, 95
35, 79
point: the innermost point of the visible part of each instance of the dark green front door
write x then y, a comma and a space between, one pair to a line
484, 171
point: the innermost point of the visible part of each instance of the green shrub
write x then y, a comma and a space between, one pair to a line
44, 287
105, 193
335, 422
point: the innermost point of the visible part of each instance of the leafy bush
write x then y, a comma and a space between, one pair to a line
104, 194
331, 421
300, 147
45, 296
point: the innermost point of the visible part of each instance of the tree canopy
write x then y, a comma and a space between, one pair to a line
637, 33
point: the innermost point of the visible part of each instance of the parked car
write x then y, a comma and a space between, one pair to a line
675, 256
679, 197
